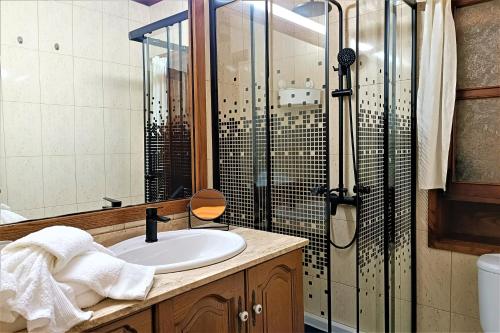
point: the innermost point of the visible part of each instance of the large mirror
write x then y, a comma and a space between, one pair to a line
93, 105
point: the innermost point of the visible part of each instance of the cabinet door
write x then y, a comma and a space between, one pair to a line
141, 322
274, 295
214, 307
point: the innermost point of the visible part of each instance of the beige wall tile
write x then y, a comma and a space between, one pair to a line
432, 320
460, 323
403, 316
104, 230
344, 304
464, 292
311, 297
422, 206
433, 275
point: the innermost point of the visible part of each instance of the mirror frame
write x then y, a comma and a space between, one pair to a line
197, 99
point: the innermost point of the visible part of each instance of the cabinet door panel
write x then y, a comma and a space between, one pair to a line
207, 309
276, 285
141, 322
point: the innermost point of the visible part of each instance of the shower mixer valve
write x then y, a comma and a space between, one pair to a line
341, 198
336, 196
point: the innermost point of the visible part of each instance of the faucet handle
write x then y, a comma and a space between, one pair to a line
163, 219
152, 212
114, 203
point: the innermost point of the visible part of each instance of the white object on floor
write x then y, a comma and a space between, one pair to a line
436, 94
489, 291
181, 250
49, 274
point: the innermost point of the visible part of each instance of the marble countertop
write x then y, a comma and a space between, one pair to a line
261, 246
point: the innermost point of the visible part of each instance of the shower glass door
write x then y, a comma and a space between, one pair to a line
239, 125
386, 253
298, 138
167, 117
270, 126
400, 179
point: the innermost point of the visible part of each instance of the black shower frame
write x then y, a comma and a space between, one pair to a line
213, 6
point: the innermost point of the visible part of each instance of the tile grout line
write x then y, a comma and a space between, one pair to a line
74, 104
40, 103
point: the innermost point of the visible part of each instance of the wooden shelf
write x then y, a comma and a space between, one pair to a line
455, 243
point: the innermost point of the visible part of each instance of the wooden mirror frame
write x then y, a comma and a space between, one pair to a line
197, 99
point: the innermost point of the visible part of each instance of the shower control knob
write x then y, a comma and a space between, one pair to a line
319, 190
257, 308
243, 316
361, 189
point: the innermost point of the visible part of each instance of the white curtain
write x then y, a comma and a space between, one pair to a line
436, 93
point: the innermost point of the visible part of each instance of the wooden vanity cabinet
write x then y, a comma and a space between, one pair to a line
266, 298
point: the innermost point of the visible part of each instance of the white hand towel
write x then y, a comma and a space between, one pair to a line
48, 275
111, 277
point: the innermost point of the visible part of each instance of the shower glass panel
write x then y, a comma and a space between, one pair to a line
241, 117
371, 154
275, 137
167, 117
271, 126
385, 150
298, 138
401, 123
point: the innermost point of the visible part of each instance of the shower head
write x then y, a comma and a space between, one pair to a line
311, 8
346, 57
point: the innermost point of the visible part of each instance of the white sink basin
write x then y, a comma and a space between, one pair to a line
181, 250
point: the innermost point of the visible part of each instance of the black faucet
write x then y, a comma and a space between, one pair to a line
114, 203
152, 219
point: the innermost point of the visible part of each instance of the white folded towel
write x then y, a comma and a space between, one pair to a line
47, 276
8, 216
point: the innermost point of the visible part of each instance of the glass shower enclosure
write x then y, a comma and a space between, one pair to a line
275, 137
167, 112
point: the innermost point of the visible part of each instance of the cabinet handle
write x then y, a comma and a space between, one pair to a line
243, 316
128, 329
257, 308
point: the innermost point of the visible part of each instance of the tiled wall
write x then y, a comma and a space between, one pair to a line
72, 113
447, 293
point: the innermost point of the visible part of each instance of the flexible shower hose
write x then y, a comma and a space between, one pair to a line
353, 151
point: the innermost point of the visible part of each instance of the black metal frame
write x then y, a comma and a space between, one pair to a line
213, 5
388, 200
357, 160
413, 5
138, 35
